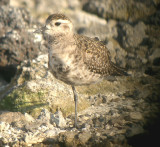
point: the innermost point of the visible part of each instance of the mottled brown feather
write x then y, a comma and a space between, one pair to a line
96, 56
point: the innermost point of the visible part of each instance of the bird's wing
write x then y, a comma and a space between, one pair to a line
96, 56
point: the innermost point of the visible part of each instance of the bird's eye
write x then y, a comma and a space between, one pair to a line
57, 23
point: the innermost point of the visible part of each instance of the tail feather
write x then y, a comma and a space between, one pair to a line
117, 71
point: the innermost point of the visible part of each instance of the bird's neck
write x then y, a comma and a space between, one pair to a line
61, 44
60, 38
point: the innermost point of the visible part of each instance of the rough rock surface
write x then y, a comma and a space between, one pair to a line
125, 10
4, 2
117, 112
25, 130
17, 41
38, 110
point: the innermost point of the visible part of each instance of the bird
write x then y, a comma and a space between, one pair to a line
76, 59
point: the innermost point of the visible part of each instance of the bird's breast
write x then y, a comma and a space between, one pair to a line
70, 68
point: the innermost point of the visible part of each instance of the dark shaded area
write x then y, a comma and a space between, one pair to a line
52, 142
8, 72
149, 138
155, 18
151, 71
156, 61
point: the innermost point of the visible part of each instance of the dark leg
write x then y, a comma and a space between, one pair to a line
75, 100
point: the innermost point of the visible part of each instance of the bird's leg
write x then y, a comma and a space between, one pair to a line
75, 100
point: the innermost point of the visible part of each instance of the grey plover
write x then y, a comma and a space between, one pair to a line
76, 59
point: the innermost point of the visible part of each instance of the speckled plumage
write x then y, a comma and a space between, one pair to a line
97, 57
76, 59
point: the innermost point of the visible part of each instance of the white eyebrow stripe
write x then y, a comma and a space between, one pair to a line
63, 21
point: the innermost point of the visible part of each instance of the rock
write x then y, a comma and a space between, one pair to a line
134, 130
17, 39
155, 18
4, 126
132, 36
42, 9
154, 57
84, 137
111, 113
48, 93
29, 118
118, 53
4, 2
112, 116
121, 10
16, 119
136, 115
12, 117
137, 43
58, 119
45, 116
86, 24
31, 131
55, 119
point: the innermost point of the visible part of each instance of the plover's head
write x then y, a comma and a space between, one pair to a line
57, 24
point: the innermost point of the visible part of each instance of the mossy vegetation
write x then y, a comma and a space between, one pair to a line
24, 100
102, 87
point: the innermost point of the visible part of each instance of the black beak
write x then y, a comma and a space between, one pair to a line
40, 30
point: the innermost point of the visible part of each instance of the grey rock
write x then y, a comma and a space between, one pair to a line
4, 2
123, 112
155, 18
154, 56
4, 126
9, 117
84, 137
45, 116
55, 119
120, 10
41, 9
132, 36
136, 115
91, 25
134, 130
58, 119
17, 39
118, 53
114, 115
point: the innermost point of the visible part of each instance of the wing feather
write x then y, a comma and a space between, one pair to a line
96, 56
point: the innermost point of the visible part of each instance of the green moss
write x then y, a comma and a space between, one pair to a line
24, 100
102, 87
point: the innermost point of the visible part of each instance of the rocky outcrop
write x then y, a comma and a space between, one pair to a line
38, 110
124, 10
17, 41
26, 130
110, 113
